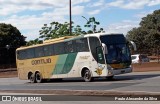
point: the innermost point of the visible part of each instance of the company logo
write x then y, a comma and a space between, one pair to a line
21, 98
99, 70
41, 61
6, 98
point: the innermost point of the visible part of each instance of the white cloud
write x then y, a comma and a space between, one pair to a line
154, 2
143, 14
136, 4
76, 10
32, 34
94, 12
9, 7
122, 27
133, 4
97, 4
116, 3
74, 2
57, 10
31, 24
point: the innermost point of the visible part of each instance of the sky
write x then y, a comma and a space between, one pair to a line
115, 16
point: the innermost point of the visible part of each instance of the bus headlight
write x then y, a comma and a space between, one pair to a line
109, 70
109, 67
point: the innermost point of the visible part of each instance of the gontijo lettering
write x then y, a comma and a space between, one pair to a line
41, 61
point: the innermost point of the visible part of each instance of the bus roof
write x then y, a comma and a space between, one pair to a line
57, 39
101, 34
47, 42
65, 38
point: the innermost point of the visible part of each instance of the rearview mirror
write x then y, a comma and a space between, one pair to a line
134, 45
105, 50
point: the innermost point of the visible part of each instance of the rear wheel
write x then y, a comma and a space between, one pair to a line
38, 77
32, 78
87, 76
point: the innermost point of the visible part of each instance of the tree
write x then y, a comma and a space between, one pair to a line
56, 29
10, 35
138, 36
10, 39
34, 42
147, 36
93, 23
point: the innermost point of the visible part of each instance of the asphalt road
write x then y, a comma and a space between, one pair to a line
143, 82
132, 82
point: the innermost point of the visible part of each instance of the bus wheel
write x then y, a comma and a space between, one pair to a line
32, 78
38, 77
110, 78
87, 76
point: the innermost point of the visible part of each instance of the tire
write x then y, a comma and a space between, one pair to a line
38, 78
32, 78
110, 78
87, 76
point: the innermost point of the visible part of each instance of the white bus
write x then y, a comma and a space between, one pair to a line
89, 56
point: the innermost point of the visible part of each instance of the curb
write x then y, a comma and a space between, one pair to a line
81, 92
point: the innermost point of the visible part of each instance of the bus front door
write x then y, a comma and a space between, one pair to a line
101, 61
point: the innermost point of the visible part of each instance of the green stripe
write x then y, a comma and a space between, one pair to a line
60, 64
69, 63
65, 63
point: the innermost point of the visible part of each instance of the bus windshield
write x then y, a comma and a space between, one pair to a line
118, 50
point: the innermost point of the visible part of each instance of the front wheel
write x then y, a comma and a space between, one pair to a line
110, 78
87, 76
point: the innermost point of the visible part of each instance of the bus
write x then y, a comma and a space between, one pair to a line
89, 56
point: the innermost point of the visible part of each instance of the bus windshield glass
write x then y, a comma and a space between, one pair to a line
118, 50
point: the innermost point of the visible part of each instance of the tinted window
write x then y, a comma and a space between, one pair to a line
48, 50
59, 48
113, 39
21, 54
30, 53
81, 45
69, 47
39, 52
94, 43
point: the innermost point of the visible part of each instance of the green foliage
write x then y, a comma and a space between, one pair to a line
10, 35
93, 24
56, 29
34, 42
147, 36
10, 39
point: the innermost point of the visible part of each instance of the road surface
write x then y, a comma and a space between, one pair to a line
147, 83
132, 82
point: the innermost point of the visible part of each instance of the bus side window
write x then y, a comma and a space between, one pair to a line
29, 53
21, 55
68, 47
81, 45
39, 52
48, 50
59, 48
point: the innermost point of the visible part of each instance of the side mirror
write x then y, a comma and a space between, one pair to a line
134, 45
105, 50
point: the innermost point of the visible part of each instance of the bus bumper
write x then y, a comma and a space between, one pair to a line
119, 71
122, 71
